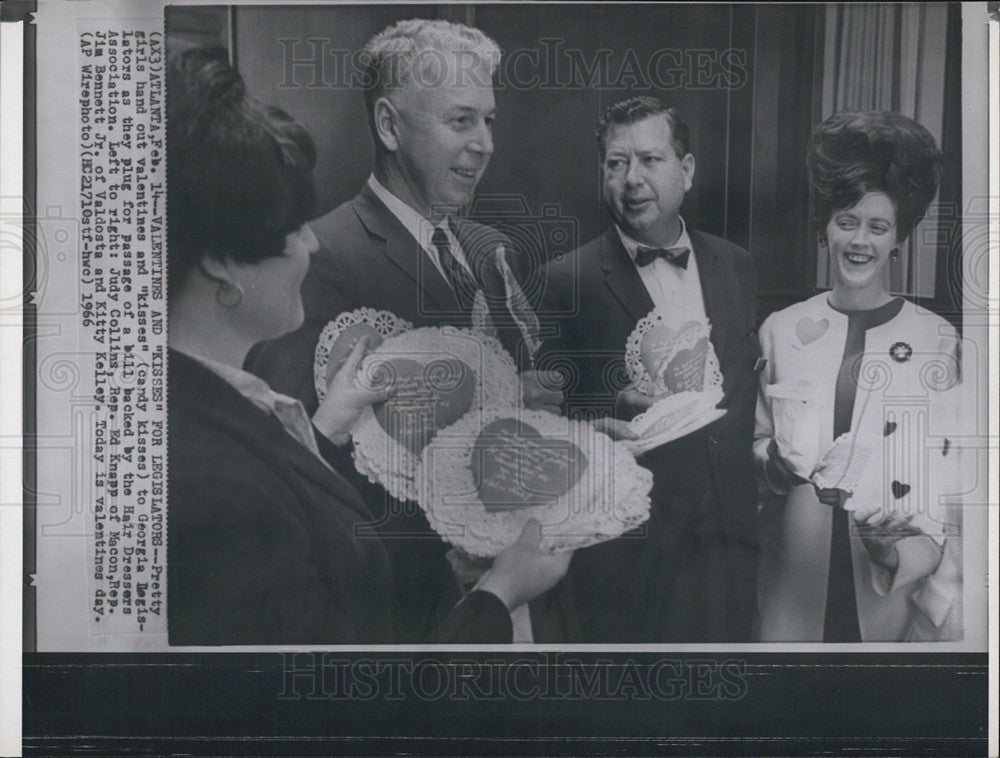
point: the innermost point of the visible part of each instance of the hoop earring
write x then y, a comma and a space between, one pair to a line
229, 295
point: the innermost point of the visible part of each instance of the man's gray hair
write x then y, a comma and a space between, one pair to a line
408, 49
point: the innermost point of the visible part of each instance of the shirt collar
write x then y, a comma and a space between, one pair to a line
418, 227
632, 245
253, 388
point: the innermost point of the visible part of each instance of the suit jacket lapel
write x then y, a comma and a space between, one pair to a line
716, 292
404, 251
621, 277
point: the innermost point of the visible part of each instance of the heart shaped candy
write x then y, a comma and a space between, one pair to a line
809, 330
513, 466
686, 370
346, 341
655, 346
426, 397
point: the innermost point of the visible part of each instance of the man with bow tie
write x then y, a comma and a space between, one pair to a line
401, 245
689, 573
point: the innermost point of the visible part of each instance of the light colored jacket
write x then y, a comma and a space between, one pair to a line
904, 416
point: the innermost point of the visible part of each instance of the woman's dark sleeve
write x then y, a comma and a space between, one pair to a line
480, 618
240, 571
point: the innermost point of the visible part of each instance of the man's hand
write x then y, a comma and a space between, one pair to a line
542, 390
629, 403
346, 397
780, 475
523, 571
615, 428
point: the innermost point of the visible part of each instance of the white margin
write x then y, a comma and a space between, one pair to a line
993, 135
11, 347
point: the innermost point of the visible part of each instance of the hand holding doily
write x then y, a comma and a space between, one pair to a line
524, 570
339, 337
347, 396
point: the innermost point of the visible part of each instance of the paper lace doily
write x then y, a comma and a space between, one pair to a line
843, 465
385, 323
380, 456
611, 496
639, 376
673, 417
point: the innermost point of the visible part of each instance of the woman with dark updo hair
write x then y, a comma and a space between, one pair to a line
852, 518
263, 533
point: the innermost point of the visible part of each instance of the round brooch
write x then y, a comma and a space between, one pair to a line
900, 352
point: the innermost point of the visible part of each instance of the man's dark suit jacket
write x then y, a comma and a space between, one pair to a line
261, 547
689, 573
367, 258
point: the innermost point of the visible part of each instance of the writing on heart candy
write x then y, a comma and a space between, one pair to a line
426, 397
676, 359
655, 346
345, 342
686, 369
514, 466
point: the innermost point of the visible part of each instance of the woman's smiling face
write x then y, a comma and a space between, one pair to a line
861, 241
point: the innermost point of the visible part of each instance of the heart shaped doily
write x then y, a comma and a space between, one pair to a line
664, 358
438, 375
483, 477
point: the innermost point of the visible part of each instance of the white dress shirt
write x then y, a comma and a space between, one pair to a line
423, 231
675, 291
420, 228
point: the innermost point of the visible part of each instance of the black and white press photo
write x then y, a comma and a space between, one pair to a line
594, 352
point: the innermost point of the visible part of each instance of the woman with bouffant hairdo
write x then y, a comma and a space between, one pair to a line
262, 532
858, 542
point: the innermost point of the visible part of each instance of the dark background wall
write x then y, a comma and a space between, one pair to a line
547, 108
747, 78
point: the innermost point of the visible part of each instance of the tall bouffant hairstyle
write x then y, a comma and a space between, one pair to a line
238, 172
408, 48
637, 109
854, 153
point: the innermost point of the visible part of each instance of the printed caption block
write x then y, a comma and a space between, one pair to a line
123, 297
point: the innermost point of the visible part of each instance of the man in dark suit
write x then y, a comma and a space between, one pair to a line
688, 574
401, 246
264, 542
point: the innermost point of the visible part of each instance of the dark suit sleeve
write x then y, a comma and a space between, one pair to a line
480, 618
746, 270
239, 570
559, 344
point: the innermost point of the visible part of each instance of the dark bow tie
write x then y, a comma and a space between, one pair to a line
675, 255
